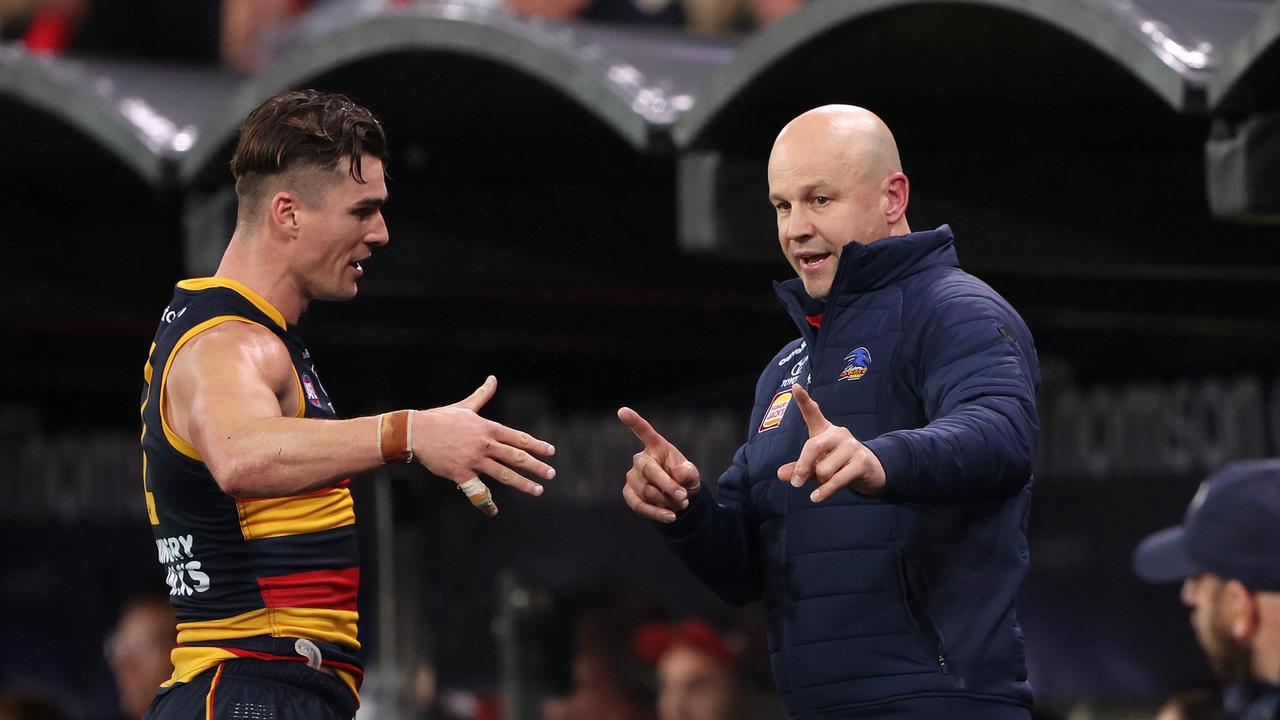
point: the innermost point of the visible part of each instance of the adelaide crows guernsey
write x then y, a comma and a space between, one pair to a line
249, 578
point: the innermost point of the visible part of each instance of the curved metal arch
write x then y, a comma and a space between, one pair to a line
1251, 62
126, 126
575, 61
1144, 47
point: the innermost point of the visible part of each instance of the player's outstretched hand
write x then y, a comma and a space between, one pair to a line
661, 479
832, 456
454, 442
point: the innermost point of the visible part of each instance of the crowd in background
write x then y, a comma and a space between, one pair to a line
685, 670
239, 34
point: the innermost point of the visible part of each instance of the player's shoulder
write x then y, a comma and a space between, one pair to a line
238, 342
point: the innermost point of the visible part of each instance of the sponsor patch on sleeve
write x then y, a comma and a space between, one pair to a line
777, 408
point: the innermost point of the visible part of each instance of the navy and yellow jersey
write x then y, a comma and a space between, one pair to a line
248, 577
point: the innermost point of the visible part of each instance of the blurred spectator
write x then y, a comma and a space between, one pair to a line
609, 679
768, 12
696, 670
138, 651
715, 16
236, 33
1191, 705
554, 9
705, 16
600, 690
1225, 555
635, 12
21, 707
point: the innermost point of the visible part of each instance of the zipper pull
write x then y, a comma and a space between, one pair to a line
942, 665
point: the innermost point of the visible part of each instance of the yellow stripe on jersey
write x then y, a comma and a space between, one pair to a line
197, 284
189, 662
209, 699
333, 626
178, 443
349, 680
147, 495
302, 396
146, 369
297, 515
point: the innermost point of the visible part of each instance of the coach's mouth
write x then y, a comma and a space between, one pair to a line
813, 262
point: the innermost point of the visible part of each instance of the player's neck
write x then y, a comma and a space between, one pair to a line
251, 263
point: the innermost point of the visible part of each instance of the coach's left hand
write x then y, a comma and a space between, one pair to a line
832, 456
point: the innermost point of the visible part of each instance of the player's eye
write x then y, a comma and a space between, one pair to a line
821, 200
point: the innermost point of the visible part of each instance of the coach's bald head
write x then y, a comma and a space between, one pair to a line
834, 178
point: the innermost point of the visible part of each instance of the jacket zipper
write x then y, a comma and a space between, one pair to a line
916, 606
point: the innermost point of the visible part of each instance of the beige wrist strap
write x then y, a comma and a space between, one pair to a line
395, 436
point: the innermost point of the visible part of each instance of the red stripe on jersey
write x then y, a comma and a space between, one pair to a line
355, 670
255, 655
327, 589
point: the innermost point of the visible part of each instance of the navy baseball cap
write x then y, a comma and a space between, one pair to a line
1232, 529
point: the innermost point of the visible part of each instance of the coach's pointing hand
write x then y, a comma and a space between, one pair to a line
454, 442
832, 456
661, 480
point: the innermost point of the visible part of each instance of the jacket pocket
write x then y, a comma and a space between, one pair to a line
918, 611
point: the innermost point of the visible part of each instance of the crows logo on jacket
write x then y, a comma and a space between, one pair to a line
858, 362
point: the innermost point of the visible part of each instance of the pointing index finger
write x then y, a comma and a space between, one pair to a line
813, 416
642, 429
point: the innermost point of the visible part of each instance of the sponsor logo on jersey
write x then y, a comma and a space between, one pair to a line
310, 388
777, 408
793, 377
182, 571
792, 354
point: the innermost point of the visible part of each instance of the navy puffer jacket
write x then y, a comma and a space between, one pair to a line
900, 604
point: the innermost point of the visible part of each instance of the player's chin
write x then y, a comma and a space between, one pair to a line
345, 291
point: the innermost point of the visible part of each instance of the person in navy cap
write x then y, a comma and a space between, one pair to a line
1226, 553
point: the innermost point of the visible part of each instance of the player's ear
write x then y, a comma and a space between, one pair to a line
283, 212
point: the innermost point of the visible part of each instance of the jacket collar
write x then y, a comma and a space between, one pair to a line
864, 268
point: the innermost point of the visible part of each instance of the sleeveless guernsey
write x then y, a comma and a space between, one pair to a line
268, 578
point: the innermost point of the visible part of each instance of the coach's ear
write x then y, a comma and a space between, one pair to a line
284, 214
896, 195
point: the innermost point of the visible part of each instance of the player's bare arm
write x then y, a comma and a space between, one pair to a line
228, 392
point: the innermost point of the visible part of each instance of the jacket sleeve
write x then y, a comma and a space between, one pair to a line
978, 379
715, 537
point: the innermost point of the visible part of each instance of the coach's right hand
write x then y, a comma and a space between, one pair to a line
454, 442
661, 480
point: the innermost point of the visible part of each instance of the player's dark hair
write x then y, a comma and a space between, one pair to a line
304, 128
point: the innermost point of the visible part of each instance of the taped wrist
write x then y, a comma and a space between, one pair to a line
395, 436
